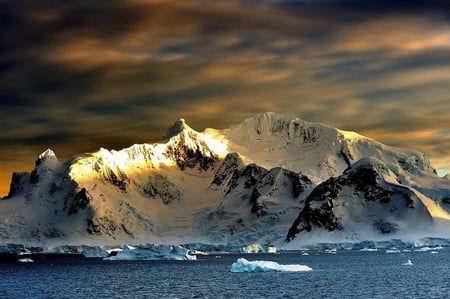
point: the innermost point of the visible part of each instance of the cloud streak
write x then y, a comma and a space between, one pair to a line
79, 75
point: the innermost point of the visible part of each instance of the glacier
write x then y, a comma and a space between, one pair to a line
258, 248
271, 179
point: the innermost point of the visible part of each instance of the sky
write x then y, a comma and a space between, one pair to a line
79, 75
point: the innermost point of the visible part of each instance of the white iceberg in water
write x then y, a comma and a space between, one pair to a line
426, 248
26, 260
369, 249
243, 265
152, 252
408, 263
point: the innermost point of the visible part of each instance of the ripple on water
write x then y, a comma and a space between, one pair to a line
347, 274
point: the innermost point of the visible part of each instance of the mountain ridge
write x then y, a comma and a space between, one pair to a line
252, 182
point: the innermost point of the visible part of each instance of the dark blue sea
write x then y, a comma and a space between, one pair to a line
346, 274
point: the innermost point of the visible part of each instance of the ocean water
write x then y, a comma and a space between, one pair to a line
346, 274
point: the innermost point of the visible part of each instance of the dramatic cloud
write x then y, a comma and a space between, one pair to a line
78, 75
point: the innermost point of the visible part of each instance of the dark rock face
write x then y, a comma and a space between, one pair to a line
365, 180
255, 182
291, 129
158, 186
252, 174
385, 227
318, 209
120, 180
52, 233
80, 201
228, 170
310, 134
299, 183
366, 183
188, 157
101, 226
34, 177
38, 162
16, 186
345, 154
258, 207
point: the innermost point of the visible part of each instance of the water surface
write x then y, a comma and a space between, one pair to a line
347, 274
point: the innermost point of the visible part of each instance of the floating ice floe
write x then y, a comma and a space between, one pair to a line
393, 251
369, 249
197, 252
26, 260
152, 252
243, 265
426, 248
408, 263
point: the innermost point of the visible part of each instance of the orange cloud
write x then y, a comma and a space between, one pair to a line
111, 74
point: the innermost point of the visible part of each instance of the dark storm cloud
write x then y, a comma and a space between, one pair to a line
11, 100
78, 75
354, 10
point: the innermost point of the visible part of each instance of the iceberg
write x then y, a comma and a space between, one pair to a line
408, 263
151, 252
369, 249
426, 248
258, 248
25, 260
243, 265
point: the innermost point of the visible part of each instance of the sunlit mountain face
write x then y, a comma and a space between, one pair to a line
270, 179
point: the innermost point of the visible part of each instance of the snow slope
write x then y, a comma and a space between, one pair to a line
366, 200
318, 151
243, 185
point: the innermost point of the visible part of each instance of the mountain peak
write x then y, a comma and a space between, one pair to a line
47, 155
178, 127
271, 117
269, 124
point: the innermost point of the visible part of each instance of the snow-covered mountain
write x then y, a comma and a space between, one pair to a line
265, 180
367, 199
